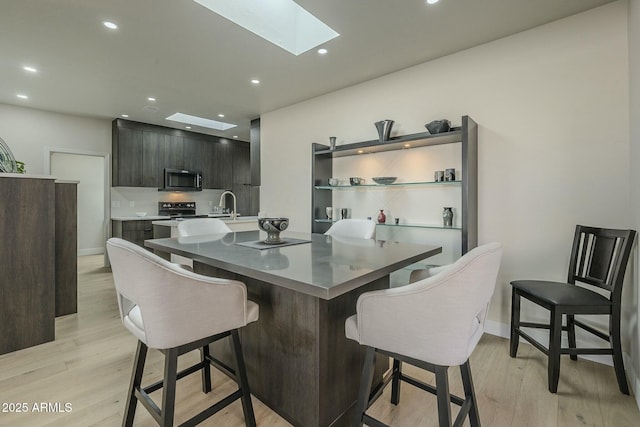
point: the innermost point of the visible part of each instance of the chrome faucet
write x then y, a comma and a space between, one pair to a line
234, 214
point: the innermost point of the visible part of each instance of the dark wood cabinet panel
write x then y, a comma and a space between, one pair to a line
174, 152
27, 260
127, 158
246, 194
193, 151
136, 231
66, 246
153, 159
223, 170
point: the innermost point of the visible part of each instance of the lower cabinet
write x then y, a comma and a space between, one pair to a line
135, 231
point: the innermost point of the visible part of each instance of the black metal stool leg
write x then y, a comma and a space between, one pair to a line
571, 334
470, 394
395, 382
515, 323
365, 386
136, 380
243, 383
555, 335
169, 388
618, 362
206, 368
443, 396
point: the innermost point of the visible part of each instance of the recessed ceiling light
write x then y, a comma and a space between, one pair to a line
22, 96
235, 136
30, 69
124, 115
110, 25
360, 151
220, 115
432, 1
283, 23
200, 121
255, 81
322, 51
187, 127
151, 98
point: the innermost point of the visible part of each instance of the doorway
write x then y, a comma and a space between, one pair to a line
90, 169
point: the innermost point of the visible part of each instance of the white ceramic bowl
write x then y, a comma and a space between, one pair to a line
141, 214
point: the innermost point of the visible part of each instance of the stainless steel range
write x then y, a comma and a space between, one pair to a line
178, 209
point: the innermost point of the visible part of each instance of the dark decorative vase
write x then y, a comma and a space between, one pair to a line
273, 227
382, 218
447, 217
384, 129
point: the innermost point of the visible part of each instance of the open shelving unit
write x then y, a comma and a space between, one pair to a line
466, 135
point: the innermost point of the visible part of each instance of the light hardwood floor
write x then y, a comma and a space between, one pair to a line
89, 364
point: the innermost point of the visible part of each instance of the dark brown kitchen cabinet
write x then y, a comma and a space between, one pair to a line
142, 151
174, 152
192, 152
127, 157
153, 159
246, 194
135, 231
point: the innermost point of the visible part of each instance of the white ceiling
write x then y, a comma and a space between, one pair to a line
195, 62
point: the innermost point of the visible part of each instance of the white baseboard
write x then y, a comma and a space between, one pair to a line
90, 251
632, 376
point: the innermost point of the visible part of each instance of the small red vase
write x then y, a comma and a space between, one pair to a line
382, 218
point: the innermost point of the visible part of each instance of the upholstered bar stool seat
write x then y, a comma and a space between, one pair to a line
177, 311
433, 323
353, 227
200, 226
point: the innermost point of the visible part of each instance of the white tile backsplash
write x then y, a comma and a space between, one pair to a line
126, 201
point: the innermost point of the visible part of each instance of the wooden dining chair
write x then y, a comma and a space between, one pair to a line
599, 259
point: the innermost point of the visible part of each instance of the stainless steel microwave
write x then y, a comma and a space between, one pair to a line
182, 180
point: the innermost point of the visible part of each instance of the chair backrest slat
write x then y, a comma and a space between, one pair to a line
599, 257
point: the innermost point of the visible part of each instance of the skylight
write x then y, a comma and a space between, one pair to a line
281, 22
200, 121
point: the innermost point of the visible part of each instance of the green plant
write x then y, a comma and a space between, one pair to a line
20, 167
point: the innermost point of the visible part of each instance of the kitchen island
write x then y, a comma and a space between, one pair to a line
299, 361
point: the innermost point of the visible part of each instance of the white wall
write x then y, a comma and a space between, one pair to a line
89, 171
553, 112
28, 132
633, 295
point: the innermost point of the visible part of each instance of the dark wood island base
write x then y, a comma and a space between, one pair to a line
299, 361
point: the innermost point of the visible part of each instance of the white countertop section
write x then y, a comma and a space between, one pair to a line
66, 181
25, 175
140, 218
175, 222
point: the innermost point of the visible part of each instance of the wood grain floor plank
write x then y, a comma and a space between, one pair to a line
89, 366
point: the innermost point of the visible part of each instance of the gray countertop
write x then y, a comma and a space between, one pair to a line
326, 267
240, 220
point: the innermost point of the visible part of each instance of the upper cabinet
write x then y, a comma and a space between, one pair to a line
141, 152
